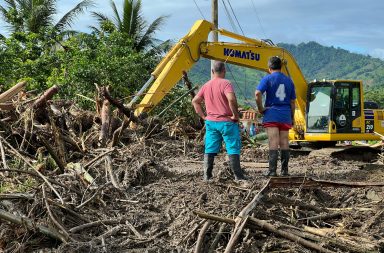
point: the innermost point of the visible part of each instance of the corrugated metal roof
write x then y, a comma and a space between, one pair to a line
249, 115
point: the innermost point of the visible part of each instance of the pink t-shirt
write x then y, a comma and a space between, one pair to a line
216, 103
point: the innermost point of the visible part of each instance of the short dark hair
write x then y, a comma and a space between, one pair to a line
218, 66
274, 63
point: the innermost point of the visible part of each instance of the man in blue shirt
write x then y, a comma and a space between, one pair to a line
278, 113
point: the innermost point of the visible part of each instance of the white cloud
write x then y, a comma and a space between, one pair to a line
377, 52
351, 24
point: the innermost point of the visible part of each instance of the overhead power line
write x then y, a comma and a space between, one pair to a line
238, 23
235, 30
229, 17
238, 86
201, 13
258, 19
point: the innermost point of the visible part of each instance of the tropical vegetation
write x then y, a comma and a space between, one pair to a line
46, 52
37, 16
121, 51
131, 23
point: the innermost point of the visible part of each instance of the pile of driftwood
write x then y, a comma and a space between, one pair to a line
64, 158
299, 230
80, 181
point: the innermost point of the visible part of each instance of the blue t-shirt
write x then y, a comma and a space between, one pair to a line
280, 91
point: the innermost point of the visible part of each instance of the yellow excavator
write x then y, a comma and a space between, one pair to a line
327, 111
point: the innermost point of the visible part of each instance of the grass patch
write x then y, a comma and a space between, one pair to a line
23, 185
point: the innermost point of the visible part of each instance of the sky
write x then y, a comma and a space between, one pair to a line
353, 25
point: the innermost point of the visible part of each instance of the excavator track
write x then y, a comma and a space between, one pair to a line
355, 153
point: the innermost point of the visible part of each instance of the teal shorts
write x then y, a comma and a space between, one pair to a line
217, 131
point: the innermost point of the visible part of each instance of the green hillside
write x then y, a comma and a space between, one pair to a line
316, 62
319, 62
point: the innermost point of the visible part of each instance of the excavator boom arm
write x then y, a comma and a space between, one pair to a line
252, 53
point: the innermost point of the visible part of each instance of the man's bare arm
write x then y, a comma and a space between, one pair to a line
196, 102
233, 106
259, 101
293, 111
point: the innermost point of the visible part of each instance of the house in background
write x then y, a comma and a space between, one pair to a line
250, 122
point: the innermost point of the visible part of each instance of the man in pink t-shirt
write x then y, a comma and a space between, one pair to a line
221, 120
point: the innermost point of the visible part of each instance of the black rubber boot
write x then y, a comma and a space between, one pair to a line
208, 166
234, 162
273, 155
284, 162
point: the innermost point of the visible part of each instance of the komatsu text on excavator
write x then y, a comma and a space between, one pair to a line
326, 111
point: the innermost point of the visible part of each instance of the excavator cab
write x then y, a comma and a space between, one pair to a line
334, 107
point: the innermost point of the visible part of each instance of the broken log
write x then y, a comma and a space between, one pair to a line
255, 200
200, 239
7, 95
240, 223
236, 234
57, 130
48, 94
306, 182
105, 122
32, 225
96, 223
267, 227
52, 152
3, 158
127, 112
215, 242
322, 217
7, 106
329, 235
189, 84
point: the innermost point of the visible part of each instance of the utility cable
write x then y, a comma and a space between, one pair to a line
201, 13
238, 23
238, 86
258, 19
229, 17
245, 74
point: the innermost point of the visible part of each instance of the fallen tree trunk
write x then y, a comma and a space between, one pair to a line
48, 94
105, 122
329, 235
127, 112
200, 239
240, 222
31, 225
7, 95
267, 227
306, 182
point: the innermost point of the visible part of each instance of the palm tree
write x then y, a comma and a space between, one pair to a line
131, 23
38, 15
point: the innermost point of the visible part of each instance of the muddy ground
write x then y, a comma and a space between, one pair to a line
83, 181
159, 187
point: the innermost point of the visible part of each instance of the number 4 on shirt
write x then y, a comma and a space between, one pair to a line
280, 92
